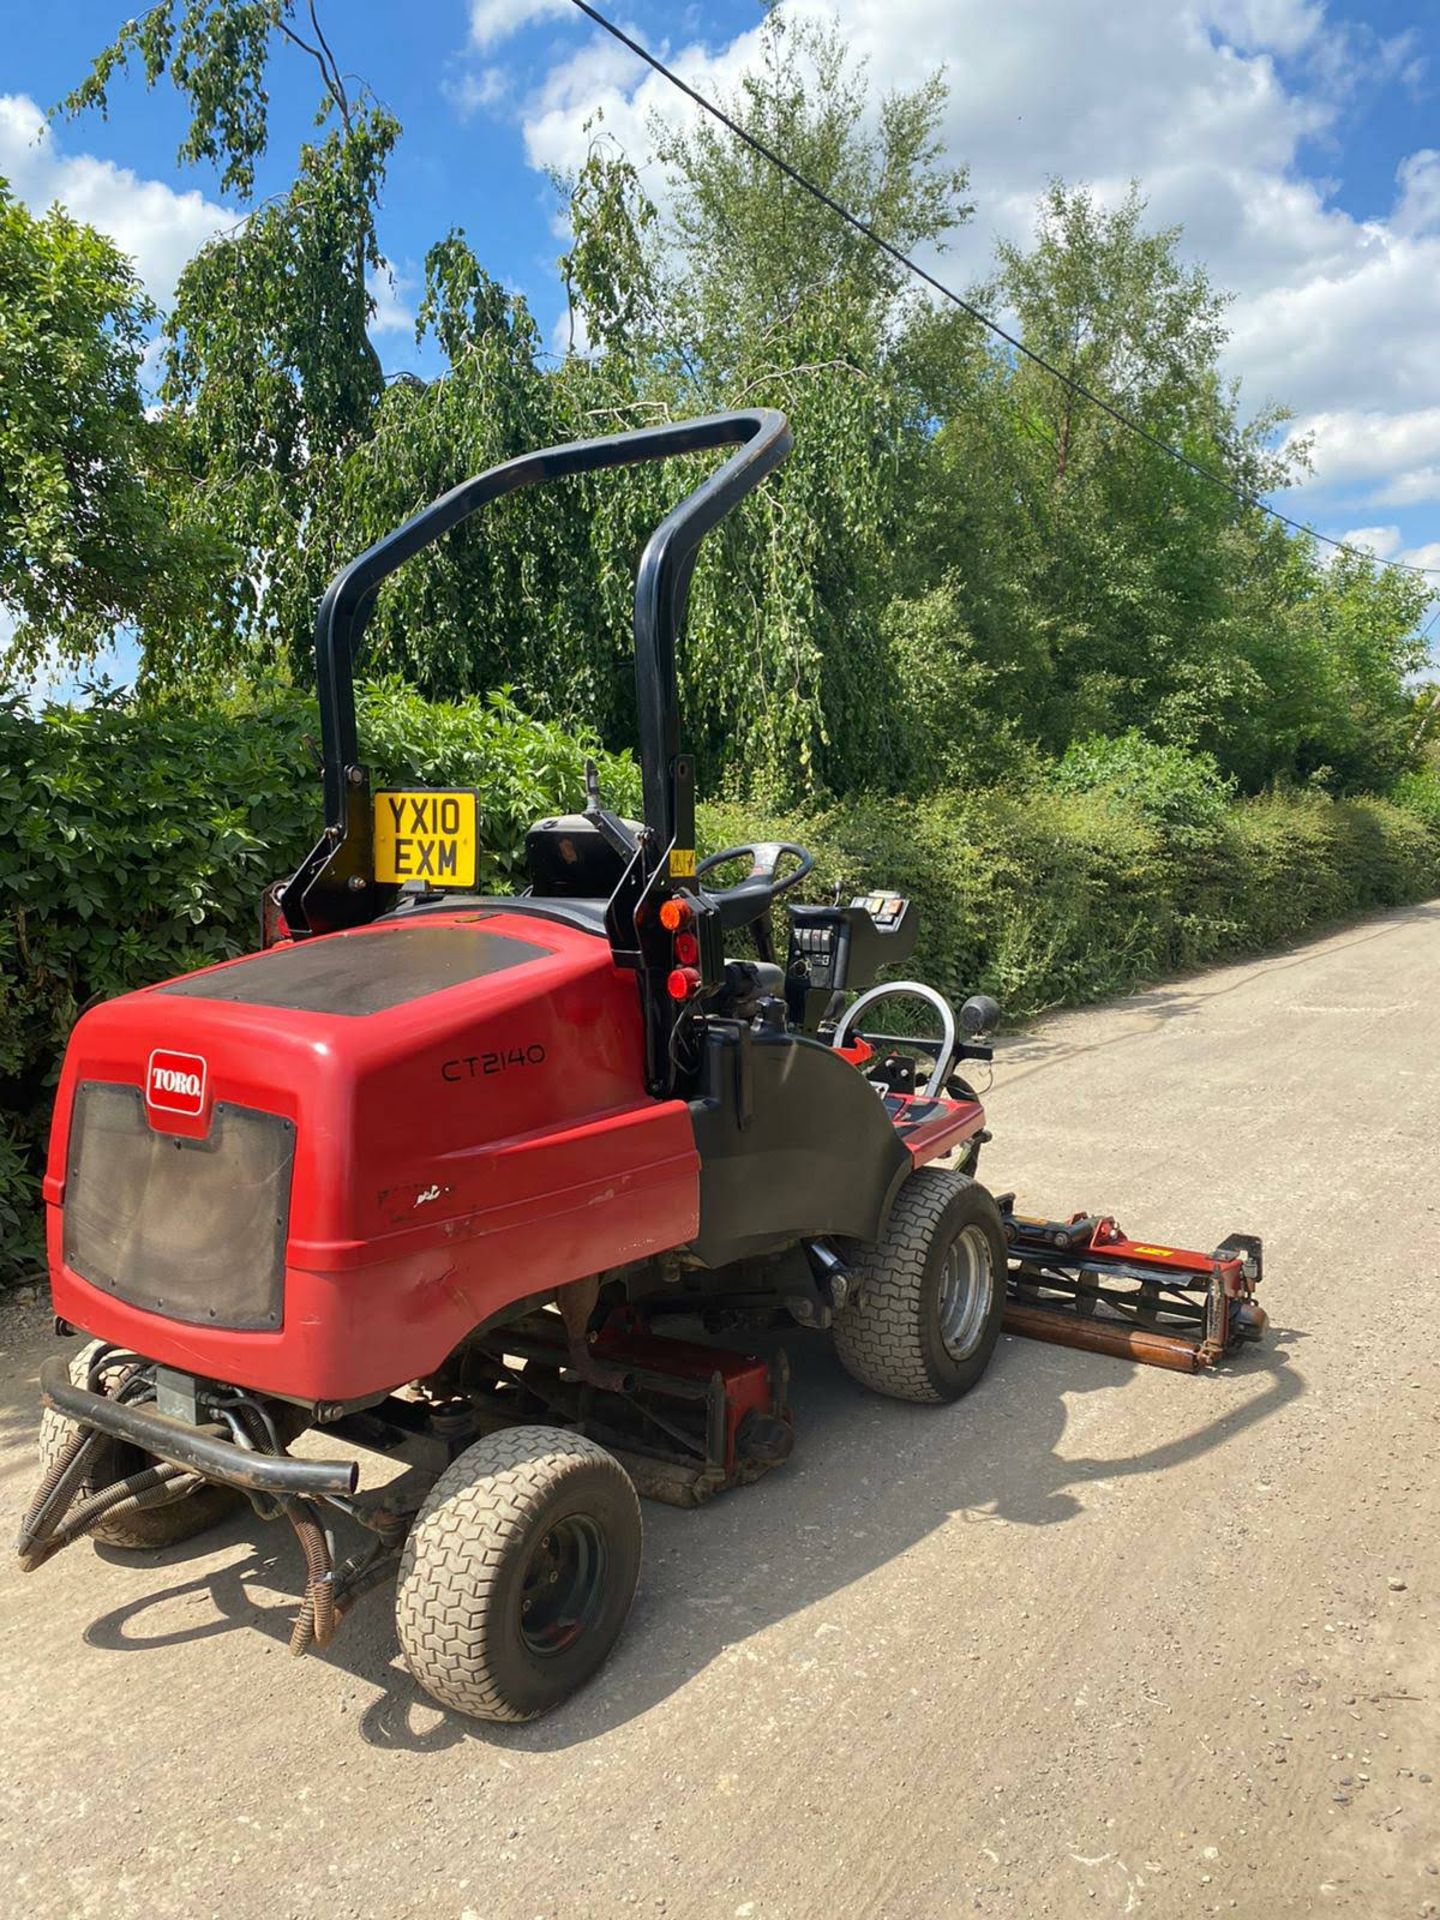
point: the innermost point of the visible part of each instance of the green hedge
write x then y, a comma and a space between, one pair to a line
135, 844
1054, 897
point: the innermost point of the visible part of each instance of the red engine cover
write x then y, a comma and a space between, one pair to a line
471, 1129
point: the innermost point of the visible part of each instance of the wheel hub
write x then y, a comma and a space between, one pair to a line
967, 1285
564, 1585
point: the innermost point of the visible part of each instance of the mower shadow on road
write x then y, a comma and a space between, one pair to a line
870, 1478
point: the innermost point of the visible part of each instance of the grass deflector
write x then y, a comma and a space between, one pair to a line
476, 1182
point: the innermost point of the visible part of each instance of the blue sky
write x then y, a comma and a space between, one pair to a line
1298, 143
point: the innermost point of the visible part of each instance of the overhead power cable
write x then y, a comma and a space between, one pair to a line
903, 259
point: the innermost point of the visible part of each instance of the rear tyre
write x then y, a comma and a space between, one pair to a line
930, 1294
518, 1573
162, 1526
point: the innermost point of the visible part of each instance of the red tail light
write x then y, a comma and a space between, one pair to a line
682, 982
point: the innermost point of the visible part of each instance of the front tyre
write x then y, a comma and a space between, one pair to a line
518, 1573
930, 1293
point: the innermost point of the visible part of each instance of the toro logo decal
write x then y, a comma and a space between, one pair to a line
175, 1082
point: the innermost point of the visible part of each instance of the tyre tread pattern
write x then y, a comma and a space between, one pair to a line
878, 1336
457, 1547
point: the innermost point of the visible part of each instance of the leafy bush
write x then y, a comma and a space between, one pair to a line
20, 1236
135, 843
522, 768
1037, 898
1303, 860
1418, 791
1182, 794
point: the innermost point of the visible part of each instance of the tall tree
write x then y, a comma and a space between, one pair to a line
965, 564
89, 484
758, 258
269, 372
767, 298
1103, 584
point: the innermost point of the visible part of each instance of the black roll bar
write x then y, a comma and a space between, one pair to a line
762, 439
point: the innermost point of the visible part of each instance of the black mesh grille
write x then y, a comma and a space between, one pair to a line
193, 1229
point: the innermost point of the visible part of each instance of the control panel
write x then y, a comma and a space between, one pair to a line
835, 948
815, 947
887, 910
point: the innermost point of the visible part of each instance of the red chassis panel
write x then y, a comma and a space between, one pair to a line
932, 1127
928, 1127
454, 1153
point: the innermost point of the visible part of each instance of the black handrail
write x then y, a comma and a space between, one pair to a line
661, 586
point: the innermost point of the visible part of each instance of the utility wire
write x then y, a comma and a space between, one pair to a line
1075, 386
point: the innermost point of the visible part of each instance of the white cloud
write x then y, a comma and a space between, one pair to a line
1279, 26
1383, 542
1393, 457
158, 227
1418, 208
1348, 329
492, 21
387, 289
569, 334
602, 74
1212, 105
1419, 487
469, 91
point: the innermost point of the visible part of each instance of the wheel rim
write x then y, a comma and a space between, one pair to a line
967, 1286
564, 1586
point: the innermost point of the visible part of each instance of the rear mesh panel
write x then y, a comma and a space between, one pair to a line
193, 1229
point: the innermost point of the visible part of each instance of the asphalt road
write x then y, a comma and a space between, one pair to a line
1098, 1640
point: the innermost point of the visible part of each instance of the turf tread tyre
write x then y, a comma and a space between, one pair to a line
457, 1594
887, 1336
163, 1526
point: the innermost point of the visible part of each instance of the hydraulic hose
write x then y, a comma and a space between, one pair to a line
315, 1622
121, 1496
54, 1495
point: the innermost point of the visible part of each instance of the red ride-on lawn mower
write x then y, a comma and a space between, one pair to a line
448, 1177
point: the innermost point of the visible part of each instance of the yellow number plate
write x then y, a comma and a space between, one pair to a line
427, 834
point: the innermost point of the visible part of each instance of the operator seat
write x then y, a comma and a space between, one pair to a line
568, 858
769, 976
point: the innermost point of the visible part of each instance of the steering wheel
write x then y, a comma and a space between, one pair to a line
750, 897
